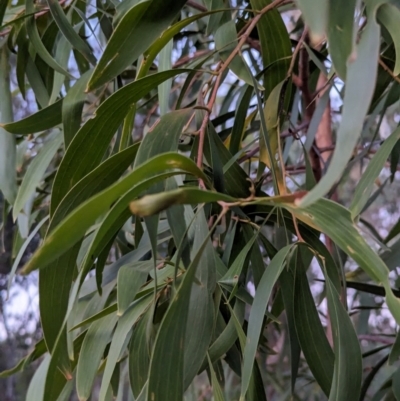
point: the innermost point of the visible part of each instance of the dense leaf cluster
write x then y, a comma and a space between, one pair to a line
184, 153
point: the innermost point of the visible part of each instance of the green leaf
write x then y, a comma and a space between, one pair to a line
94, 344
105, 312
68, 31
395, 351
120, 335
129, 281
311, 334
260, 303
315, 14
38, 351
8, 175
287, 287
240, 120
139, 354
123, 48
167, 358
35, 172
42, 120
152, 204
37, 43
341, 34
72, 108
165, 38
396, 384
227, 338
60, 370
225, 42
389, 15
72, 229
231, 277
36, 386
364, 188
217, 390
3, 8
347, 375
360, 84
87, 148
100, 178
22, 250
165, 64
170, 128
335, 221
275, 54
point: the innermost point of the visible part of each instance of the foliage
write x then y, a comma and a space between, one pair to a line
183, 153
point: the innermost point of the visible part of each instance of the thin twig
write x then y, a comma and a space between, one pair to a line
196, 6
220, 69
296, 52
192, 57
388, 70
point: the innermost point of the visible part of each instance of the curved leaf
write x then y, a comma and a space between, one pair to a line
42, 120
123, 48
88, 147
72, 229
360, 84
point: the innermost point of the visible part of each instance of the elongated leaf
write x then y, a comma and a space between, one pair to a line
341, 35
167, 356
151, 204
130, 279
38, 351
169, 128
124, 326
123, 48
334, 220
231, 277
37, 43
75, 225
42, 120
225, 42
72, 108
35, 173
68, 31
167, 35
311, 334
36, 386
60, 369
360, 85
22, 251
139, 354
347, 375
165, 64
287, 288
364, 188
396, 384
8, 176
54, 298
260, 303
100, 178
395, 352
94, 344
315, 14
275, 54
228, 337
87, 148
217, 390
388, 15
240, 119
271, 115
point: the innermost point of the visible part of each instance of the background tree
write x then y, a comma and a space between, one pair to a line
203, 177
